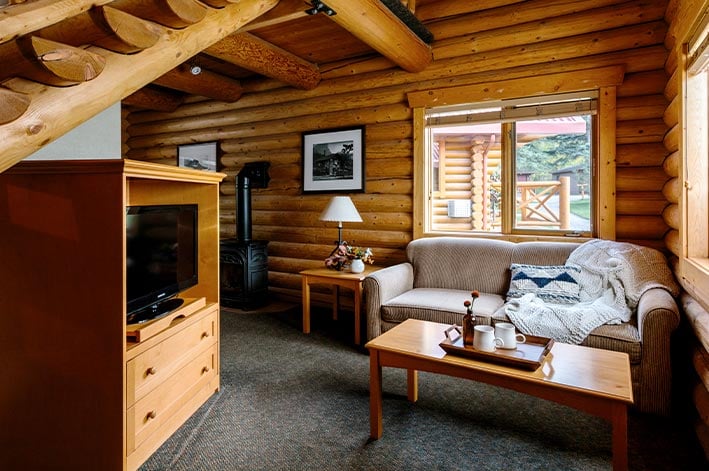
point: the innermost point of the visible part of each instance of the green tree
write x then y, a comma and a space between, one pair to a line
548, 154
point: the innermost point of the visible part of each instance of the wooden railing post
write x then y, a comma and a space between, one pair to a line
564, 203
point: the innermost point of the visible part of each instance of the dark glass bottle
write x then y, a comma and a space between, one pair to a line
468, 325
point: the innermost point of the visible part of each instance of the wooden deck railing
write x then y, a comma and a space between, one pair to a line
533, 203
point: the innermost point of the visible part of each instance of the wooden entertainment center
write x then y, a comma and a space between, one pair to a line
79, 394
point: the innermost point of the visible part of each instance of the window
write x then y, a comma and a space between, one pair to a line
694, 265
521, 166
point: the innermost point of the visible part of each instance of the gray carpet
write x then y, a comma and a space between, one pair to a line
291, 401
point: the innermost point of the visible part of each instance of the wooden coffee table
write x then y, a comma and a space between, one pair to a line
592, 380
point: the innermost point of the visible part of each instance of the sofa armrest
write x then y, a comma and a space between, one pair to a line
658, 317
657, 312
381, 286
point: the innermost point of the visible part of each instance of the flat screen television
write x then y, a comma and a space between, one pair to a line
161, 258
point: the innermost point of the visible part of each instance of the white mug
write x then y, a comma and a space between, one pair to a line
485, 340
506, 332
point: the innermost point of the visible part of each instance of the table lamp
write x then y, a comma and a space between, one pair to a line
340, 209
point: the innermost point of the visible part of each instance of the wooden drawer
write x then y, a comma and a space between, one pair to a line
150, 368
149, 413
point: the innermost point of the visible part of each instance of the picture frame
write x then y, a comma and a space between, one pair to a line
333, 160
201, 156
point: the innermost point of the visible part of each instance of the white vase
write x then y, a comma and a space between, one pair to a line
357, 266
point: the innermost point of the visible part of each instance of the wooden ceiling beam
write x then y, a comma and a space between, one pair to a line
374, 24
49, 62
24, 18
203, 83
173, 13
286, 10
12, 105
151, 98
250, 52
106, 27
54, 111
219, 3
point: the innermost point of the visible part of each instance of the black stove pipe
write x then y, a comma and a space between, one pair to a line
243, 211
253, 175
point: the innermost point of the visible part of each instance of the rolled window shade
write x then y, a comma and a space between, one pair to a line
556, 106
698, 48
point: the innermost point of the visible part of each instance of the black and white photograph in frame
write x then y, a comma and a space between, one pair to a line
198, 156
333, 160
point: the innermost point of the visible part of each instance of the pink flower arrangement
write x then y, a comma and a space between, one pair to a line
344, 252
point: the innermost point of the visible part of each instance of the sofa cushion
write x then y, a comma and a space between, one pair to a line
438, 305
553, 284
461, 263
542, 252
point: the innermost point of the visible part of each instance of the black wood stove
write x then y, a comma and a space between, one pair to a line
243, 261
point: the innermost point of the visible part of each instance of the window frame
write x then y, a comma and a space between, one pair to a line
693, 272
603, 80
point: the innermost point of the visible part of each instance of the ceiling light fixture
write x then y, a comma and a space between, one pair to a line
195, 69
318, 6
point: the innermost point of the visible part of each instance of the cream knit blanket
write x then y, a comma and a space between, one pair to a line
613, 277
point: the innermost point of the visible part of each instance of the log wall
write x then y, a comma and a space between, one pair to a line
508, 41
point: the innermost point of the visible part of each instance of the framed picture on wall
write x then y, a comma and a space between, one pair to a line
333, 160
198, 156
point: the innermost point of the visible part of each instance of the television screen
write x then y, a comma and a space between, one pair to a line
161, 258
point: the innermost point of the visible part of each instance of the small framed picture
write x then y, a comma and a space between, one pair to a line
333, 160
198, 156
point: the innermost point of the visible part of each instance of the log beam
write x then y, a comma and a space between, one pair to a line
374, 24
250, 52
12, 105
150, 98
173, 13
127, 30
55, 111
204, 83
49, 62
25, 18
287, 10
219, 3
106, 27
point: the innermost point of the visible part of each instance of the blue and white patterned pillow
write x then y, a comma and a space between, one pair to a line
553, 284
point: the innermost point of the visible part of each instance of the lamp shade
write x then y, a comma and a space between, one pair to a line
341, 209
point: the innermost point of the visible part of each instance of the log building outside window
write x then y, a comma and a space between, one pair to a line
519, 166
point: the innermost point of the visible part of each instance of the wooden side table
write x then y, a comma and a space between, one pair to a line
346, 279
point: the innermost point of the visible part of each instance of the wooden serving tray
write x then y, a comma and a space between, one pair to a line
528, 355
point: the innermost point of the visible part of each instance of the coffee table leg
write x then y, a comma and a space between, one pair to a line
620, 437
412, 385
375, 395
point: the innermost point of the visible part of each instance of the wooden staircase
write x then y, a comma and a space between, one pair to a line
59, 85
64, 61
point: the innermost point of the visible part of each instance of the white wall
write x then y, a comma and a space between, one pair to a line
97, 138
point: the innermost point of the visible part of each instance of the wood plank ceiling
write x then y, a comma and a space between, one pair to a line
64, 61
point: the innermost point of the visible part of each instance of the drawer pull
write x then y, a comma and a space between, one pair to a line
205, 335
151, 371
205, 369
150, 415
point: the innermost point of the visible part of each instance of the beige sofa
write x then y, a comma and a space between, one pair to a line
441, 272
